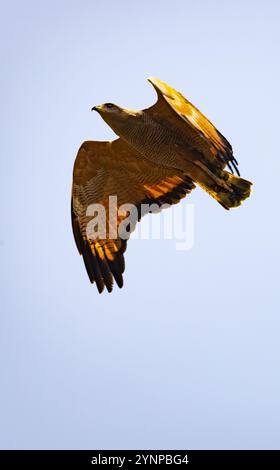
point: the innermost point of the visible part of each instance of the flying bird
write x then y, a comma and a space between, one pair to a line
161, 154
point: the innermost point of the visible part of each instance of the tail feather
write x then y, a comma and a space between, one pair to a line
233, 193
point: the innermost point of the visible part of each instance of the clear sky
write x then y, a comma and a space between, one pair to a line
187, 354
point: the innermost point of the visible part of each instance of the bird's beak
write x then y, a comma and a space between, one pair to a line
96, 108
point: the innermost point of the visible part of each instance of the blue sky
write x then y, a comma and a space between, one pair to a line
187, 354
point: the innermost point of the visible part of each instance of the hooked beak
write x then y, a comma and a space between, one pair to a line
95, 108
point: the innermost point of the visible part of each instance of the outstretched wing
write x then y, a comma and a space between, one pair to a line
197, 129
104, 169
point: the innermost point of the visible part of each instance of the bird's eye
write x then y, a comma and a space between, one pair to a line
109, 105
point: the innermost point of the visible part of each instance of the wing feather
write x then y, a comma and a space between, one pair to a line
200, 133
104, 169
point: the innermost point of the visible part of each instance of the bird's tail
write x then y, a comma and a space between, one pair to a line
231, 191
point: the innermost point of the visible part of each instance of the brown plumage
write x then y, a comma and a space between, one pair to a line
162, 151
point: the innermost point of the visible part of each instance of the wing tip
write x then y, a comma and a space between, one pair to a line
154, 81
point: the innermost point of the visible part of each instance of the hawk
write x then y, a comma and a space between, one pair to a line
161, 153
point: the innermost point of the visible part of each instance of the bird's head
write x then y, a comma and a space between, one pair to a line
115, 116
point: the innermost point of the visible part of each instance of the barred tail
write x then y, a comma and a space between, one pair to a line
232, 193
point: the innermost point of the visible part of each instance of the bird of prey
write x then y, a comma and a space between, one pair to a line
161, 153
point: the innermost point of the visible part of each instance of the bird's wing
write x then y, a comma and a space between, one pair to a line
104, 169
198, 130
